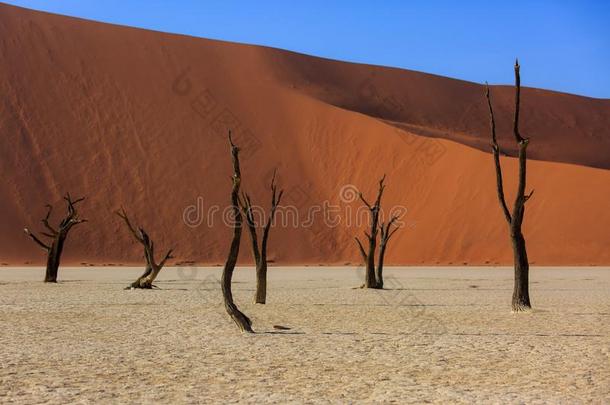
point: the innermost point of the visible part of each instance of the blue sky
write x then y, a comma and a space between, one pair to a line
562, 45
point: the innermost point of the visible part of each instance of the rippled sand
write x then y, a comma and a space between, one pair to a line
437, 334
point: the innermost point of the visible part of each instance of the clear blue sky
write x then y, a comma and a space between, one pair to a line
562, 45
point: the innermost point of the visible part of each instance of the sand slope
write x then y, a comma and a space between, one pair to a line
139, 118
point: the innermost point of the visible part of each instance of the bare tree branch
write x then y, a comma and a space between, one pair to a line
391, 233
362, 251
380, 192
496, 155
35, 239
168, 256
122, 214
246, 207
518, 136
365, 201
45, 221
385, 231
275, 201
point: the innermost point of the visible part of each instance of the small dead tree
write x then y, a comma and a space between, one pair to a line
521, 298
243, 322
153, 268
260, 254
374, 277
57, 236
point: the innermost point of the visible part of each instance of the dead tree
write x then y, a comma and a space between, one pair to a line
57, 236
521, 298
153, 268
243, 322
374, 277
385, 233
260, 254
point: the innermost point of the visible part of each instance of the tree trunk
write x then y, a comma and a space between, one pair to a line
243, 322
386, 232
379, 274
371, 281
521, 295
151, 277
53, 259
146, 280
261, 283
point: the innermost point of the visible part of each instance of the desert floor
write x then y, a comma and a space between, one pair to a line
435, 335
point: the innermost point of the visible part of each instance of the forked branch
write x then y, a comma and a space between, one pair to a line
146, 280
56, 235
371, 280
520, 300
260, 253
361, 248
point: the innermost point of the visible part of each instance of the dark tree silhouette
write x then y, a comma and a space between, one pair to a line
152, 267
521, 298
385, 233
260, 254
374, 277
243, 322
57, 236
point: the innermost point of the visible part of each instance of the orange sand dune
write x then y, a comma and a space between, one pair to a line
139, 118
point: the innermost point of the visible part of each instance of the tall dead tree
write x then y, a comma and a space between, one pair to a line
57, 236
153, 268
243, 322
260, 254
374, 277
521, 298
